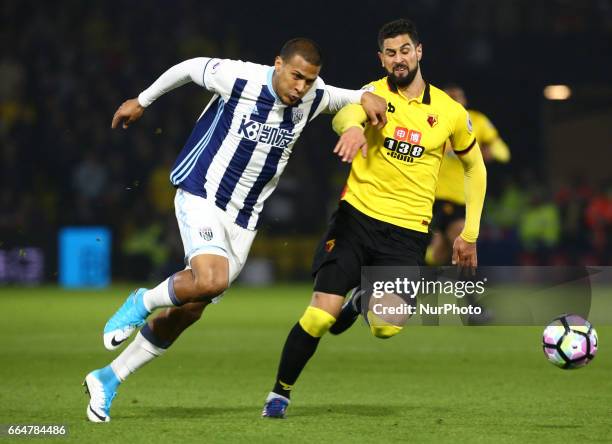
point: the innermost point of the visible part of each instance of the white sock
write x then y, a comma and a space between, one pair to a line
135, 355
160, 296
273, 395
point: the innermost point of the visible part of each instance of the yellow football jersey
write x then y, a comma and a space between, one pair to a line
450, 179
397, 180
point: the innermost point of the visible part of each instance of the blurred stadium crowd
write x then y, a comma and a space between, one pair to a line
65, 67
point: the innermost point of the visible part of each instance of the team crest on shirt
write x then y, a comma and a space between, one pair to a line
329, 245
206, 233
296, 115
432, 119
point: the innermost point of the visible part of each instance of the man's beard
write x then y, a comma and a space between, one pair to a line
404, 80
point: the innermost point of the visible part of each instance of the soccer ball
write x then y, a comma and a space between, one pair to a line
569, 341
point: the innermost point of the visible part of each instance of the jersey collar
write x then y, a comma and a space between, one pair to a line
424, 98
269, 84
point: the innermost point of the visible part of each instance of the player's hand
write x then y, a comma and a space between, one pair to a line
487, 155
350, 142
464, 254
129, 111
376, 109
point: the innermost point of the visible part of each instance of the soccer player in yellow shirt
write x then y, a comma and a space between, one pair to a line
449, 206
384, 215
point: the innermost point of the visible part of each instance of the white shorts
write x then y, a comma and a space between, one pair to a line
207, 229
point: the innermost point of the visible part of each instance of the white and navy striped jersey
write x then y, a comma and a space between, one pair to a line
242, 141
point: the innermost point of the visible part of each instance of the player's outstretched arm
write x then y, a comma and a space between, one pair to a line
191, 70
493, 148
497, 151
475, 186
374, 106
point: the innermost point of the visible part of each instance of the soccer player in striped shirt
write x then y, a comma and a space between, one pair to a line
228, 167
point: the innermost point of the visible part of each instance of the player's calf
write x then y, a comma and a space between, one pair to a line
170, 323
349, 313
301, 344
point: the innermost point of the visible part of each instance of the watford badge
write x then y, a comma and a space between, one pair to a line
330, 244
432, 119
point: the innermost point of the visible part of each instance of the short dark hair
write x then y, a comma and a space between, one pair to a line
398, 27
304, 47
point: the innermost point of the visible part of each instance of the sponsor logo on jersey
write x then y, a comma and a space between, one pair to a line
469, 124
400, 133
263, 133
404, 134
414, 137
403, 150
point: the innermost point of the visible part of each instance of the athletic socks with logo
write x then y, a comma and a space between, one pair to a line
135, 355
161, 296
298, 349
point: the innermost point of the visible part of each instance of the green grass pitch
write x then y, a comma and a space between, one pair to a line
428, 384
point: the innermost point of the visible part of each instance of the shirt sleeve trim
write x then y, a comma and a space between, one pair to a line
204, 73
465, 151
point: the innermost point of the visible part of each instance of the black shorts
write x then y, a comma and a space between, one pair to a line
445, 213
354, 240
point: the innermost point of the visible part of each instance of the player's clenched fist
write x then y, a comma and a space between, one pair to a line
129, 111
376, 109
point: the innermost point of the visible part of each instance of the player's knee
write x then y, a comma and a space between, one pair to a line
211, 285
431, 256
316, 322
385, 331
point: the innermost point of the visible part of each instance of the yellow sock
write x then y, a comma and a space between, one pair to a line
380, 328
316, 322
